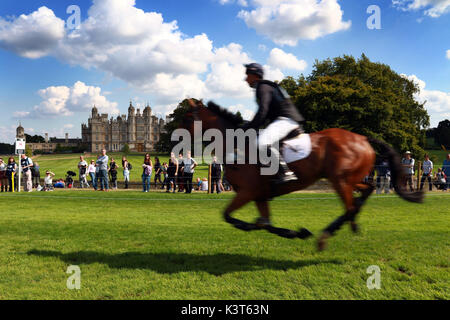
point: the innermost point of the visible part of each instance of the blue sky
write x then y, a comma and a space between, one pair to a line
50, 76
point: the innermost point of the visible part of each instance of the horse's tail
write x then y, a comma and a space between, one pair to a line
397, 171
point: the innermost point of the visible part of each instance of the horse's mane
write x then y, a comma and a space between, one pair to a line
234, 119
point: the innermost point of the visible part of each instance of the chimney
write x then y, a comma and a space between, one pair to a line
46, 138
67, 138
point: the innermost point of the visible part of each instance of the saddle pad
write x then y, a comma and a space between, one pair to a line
297, 149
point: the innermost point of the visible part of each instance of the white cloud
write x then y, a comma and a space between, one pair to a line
8, 133
65, 101
448, 54
151, 55
247, 114
434, 8
286, 22
282, 60
437, 102
32, 36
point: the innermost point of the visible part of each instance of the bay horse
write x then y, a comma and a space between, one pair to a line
342, 157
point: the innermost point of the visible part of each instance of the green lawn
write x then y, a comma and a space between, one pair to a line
131, 245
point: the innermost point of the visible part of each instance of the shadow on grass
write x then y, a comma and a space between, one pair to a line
216, 264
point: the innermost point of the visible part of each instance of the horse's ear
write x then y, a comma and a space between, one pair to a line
192, 103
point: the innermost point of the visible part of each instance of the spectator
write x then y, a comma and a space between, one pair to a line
91, 171
26, 165
408, 164
172, 171
60, 184
36, 173
158, 171
48, 181
113, 172
126, 171
188, 172
82, 170
216, 176
427, 168
164, 172
102, 165
440, 180
180, 173
3, 178
11, 169
147, 173
383, 177
446, 170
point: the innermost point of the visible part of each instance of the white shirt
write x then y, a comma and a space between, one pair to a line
3, 167
91, 168
427, 166
48, 179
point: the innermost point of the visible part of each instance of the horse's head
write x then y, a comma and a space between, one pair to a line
199, 112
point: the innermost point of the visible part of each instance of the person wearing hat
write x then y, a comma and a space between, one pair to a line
408, 164
275, 107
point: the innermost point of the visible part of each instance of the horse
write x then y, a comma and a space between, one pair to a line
342, 157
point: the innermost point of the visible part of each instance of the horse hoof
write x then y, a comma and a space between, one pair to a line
355, 227
304, 233
322, 243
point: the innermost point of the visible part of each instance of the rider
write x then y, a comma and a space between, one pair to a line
276, 107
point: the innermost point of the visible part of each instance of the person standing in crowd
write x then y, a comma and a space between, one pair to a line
126, 171
188, 172
26, 164
172, 172
91, 172
446, 170
158, 171
180, 173
102, 165
36, 173
147, 173
113, 172
11, 170
408, 164
3, 178
82, 169
427, 169
216, 175
164, 172
383, 176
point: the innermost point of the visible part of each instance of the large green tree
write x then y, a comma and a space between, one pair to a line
364, 97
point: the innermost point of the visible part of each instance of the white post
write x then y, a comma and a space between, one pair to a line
19, 179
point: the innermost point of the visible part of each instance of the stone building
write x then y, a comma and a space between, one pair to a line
49, 145
141, 131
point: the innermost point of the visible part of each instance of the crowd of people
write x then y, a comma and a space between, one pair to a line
176, 175
440, 179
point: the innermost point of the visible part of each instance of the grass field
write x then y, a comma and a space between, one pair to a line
131, 245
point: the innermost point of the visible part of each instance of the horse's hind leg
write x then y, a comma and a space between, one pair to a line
345, 191
366, 190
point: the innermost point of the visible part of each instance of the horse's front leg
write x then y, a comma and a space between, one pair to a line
239, 201
263, 222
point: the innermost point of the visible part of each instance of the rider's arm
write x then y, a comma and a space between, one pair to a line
264, 98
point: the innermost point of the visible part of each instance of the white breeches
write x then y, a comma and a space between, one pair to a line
276, 131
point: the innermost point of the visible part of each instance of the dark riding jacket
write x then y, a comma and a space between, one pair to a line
273, 102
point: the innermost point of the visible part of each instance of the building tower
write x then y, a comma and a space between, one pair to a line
20, 132
131, 125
